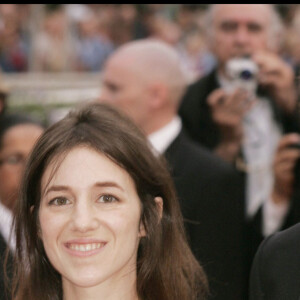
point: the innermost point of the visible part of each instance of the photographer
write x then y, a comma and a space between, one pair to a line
241, 128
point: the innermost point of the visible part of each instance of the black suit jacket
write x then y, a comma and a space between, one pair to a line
197, 119
275, 273
3, 246
210, 195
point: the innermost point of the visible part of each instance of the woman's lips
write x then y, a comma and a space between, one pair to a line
84, 247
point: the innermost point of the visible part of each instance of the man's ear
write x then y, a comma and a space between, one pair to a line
158, 93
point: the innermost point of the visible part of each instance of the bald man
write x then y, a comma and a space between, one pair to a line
145, 79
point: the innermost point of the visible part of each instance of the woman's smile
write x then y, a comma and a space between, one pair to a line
83, 248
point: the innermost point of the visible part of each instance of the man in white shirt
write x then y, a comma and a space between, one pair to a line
145, 79
244, 129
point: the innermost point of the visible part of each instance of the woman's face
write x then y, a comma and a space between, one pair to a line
90, 220
17, 144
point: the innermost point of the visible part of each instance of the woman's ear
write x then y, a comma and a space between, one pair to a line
160, 206
142, 231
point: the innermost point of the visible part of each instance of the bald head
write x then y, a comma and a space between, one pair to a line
153, 61
144, 78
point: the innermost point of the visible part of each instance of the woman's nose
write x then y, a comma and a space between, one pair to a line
84, 217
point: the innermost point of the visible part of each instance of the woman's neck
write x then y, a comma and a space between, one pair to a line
105, 291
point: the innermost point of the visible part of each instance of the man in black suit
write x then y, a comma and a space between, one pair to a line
275, 272
144, 79
240, 125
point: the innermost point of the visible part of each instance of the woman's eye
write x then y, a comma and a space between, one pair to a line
107, 199
59, 201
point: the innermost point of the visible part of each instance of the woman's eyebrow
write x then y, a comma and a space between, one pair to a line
56, 188
108, 184
59, 188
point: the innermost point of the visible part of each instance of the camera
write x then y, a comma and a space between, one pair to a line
242, 73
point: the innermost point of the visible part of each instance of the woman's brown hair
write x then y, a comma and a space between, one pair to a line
166, 267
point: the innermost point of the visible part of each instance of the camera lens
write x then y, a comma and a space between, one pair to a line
246, 75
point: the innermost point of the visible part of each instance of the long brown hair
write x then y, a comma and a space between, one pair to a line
166, 267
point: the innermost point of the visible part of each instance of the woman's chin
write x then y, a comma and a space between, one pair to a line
86, 281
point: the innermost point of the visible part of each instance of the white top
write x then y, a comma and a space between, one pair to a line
261, 137
162, 138
6, 219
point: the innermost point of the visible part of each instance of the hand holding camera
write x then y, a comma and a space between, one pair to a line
278, 77
286, 158
230, 103
228, 110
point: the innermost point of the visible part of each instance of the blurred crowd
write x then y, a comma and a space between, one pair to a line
80, 37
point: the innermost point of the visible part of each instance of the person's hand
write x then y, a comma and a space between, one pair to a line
283, 166
228, 111
278, 77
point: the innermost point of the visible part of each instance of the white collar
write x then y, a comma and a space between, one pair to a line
6, 224
162, 138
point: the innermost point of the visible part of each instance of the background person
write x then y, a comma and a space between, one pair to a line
286, 188
53, 46
93, 223
145, 80
4, 94
18, 135
276, 268
242, 132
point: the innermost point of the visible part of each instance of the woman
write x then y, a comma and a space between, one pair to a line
98, 217
18, 134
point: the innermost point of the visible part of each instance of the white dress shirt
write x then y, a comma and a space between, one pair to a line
261, 137
6, 219
162, 138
